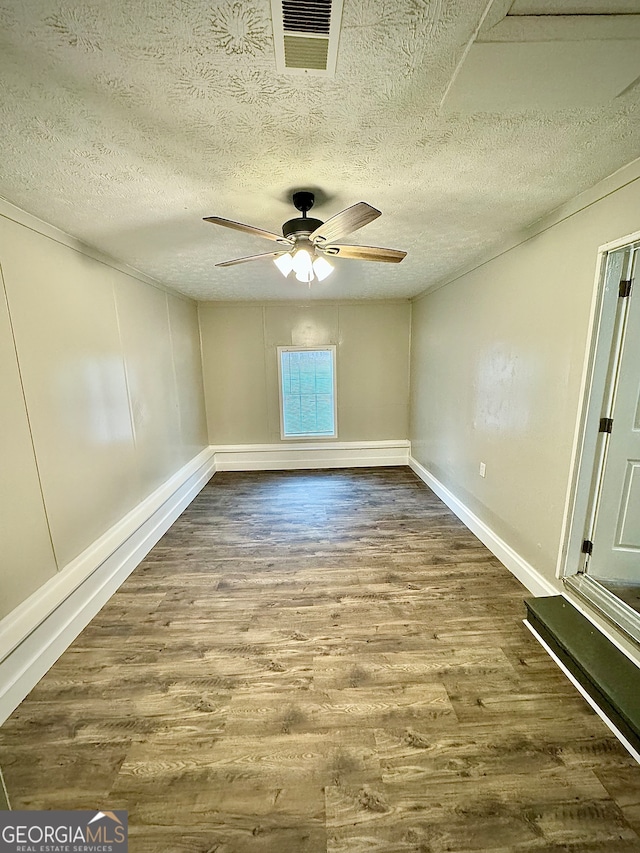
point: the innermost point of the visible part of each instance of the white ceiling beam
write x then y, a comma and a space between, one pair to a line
534, 28
494, 14
495, 10
574, 7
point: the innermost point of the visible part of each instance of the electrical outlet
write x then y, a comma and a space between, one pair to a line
483, 469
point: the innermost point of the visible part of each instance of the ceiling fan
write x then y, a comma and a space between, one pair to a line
307, 242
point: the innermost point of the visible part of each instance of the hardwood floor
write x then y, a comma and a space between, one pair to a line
322, 661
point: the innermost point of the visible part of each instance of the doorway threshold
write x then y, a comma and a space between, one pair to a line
607, 603
604, 675
626, 591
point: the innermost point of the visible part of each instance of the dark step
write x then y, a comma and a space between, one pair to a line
606, 673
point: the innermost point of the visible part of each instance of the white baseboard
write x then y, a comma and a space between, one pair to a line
304, 454
36, 633
616, 731
536, 583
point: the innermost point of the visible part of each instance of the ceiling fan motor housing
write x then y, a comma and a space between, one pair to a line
304, 225
301, 226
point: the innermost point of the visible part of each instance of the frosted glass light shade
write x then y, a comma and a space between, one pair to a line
322, 268
284, 263
302, 265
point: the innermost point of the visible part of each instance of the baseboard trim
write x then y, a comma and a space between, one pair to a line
302, 454
517, 565
37, 632
599, 711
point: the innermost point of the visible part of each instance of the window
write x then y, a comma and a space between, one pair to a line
307, 391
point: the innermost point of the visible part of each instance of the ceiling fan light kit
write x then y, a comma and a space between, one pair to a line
322, 268
307, 240
284, 263
305, 264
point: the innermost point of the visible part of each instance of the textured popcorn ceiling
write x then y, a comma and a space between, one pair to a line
124, 123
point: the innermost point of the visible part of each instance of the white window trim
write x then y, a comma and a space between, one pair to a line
309, 436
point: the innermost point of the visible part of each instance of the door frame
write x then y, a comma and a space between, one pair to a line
585, 453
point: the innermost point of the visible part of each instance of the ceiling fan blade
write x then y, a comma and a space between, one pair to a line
345, 222
365, 253
250, 258
240, 226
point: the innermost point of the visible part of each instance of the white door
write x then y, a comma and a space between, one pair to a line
616, 531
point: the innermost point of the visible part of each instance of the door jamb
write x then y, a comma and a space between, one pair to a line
594, 375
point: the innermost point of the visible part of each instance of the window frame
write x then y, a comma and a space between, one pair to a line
307, 436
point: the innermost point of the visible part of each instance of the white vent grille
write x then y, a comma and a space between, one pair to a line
304, 52
306, 34
306, 16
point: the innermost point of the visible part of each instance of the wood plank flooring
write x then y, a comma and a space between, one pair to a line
322, 662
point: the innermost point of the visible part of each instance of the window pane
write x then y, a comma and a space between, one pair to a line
292, 414
324, 404
308, 405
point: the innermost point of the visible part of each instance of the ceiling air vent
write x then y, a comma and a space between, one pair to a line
306, 35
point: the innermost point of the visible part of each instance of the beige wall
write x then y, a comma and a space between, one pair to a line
101, 400
497, 360
239, 344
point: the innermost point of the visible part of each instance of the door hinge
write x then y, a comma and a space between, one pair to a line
625, 288
606, 424
587, 547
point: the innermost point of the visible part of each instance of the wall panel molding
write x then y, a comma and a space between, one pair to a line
37, 632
